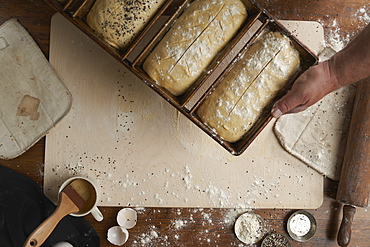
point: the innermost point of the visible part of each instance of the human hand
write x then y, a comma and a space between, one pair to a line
309, 88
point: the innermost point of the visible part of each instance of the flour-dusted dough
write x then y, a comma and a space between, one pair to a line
120, 21
318, 135
204, 28
238, 101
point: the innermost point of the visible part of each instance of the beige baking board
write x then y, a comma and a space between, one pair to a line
144, 153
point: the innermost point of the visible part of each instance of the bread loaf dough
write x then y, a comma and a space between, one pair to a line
191, 44
238, 101
120, 21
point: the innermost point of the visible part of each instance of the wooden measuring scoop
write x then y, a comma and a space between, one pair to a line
72, 199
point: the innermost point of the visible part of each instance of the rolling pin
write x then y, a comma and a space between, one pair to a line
354, 182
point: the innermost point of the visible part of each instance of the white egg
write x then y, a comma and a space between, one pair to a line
127, 218
117, 235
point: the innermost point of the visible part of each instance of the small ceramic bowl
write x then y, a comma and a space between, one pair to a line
301, 226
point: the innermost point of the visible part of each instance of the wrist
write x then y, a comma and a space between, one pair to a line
331, 70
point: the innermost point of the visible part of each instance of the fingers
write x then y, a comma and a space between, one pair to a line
292, 102
310, 87
297, 109
276, 111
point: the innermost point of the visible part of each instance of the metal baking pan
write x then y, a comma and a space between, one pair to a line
307, 59
76, 11
180, 101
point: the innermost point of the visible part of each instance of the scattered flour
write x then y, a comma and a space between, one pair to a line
336, 37
179, 224
172, 235
362, 15
149, 237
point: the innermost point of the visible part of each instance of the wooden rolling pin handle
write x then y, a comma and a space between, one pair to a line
344, 234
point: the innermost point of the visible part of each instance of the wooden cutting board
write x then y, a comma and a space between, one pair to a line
144, 153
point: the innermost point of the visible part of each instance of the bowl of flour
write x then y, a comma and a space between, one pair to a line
249, 228
301, 226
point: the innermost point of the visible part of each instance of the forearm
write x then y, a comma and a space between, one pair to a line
352, 64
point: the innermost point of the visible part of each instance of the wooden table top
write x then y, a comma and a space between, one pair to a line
341, 20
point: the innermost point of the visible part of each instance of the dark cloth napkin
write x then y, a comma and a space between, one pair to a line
23, 207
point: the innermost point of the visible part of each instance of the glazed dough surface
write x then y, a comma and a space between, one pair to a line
238, 101
120, 21
191, 44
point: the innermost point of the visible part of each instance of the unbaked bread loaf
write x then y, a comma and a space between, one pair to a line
191, 44
120, 21
238, 101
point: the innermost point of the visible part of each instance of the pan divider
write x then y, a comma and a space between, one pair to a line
225, 65
135, 50
144, 32
78, 8
153, 31
182, 100
160, 34
69, 3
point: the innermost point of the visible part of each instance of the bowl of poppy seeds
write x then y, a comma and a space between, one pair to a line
275, 240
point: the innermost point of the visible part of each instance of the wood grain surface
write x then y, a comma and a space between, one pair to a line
341, 21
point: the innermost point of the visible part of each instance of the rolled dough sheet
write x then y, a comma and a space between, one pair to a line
318, 135
144, 153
